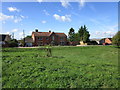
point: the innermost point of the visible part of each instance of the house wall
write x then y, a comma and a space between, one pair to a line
74, 43
33, 37
7, 38
108, 41
28, 44
101, 42
44, 41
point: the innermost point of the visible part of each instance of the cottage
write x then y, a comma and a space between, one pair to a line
4, 38
46, 38
28, 42
106, 41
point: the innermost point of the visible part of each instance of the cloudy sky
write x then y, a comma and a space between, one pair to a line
101, 18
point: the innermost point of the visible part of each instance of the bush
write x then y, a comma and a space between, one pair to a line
92, 43
116, 39
13, 43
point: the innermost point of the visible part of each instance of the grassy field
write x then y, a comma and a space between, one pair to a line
69, 67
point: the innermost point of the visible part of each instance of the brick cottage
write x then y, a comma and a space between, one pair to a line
47, 38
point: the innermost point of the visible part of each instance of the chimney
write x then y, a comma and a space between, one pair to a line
49, 30
36, 30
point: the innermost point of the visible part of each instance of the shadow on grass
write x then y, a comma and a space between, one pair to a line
53, 57
117, 47
45, 56
58, 57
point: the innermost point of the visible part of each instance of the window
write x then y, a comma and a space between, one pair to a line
47, 38
53, 37
62, 38
40, 38
62, 43
40, 43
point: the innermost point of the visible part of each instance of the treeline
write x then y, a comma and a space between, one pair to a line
81, 35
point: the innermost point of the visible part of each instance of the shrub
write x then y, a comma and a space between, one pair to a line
13, 43
92, 43
116, 39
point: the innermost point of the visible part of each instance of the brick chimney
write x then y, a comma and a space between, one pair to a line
36, 30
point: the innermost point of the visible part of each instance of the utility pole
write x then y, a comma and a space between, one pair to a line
23, 38
13, 35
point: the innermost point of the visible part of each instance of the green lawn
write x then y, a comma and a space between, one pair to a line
69, 67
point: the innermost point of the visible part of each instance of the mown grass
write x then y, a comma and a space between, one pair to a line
69, 67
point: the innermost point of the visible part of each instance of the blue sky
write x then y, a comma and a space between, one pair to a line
101, 18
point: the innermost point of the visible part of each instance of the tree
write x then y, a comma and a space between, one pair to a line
116, 39
72, 31
83, 34
13, 43
22, 43
76, 37
28, 36
71, 34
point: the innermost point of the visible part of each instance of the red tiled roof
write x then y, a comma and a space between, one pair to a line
47, 34
110, 39
28, 40
60, 34
41, 33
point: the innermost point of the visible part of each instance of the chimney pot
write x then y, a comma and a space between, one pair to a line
36, 30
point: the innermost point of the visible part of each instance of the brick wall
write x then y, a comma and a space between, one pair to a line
108, 41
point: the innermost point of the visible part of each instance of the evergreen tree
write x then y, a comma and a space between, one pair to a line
81, 32
84, 34
71, 34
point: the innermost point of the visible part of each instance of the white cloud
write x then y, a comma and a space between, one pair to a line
21, 24
5, 17
46, 13
57, 17
108, 34
13, 9
7, 32
3, 22
65, 3
97, 32
22, 16
44, 21
59, 10
14, 30
40, 1
30, 32
104, 31
82, 3
65, 18
17, 20
103, 34
113, 28
21, 33
76, 14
